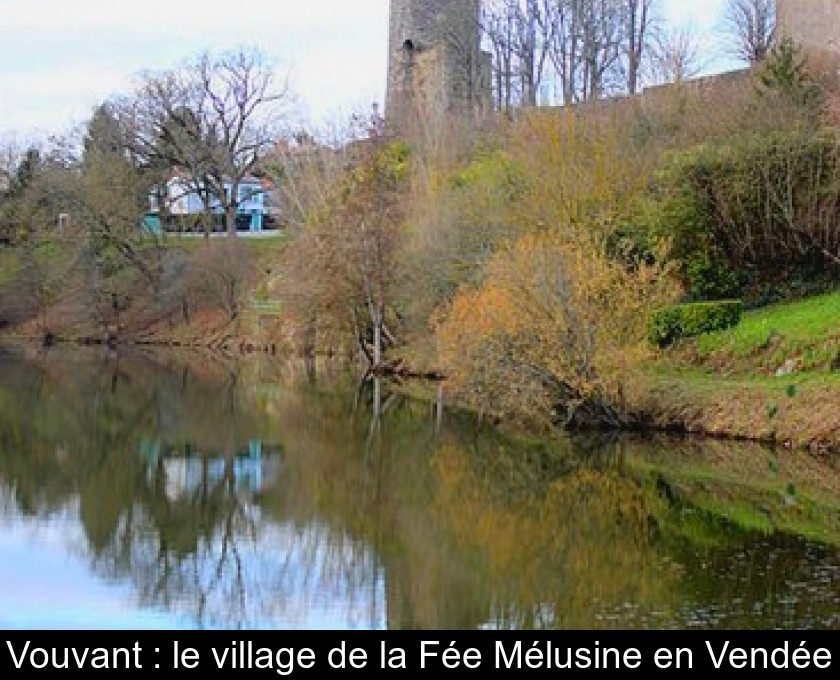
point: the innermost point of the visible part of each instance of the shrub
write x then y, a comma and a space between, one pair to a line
709, 278
495, 170
552, 334
686, 321
761, 205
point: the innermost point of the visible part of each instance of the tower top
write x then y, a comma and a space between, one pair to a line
435, 64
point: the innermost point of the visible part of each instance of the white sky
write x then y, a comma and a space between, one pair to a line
59, 58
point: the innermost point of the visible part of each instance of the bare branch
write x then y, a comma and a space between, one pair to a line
752, 27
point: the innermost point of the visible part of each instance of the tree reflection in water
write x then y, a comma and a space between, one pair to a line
236, 496
168, 473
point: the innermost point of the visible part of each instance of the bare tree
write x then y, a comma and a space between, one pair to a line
236, 91
520, 33
596, 40
640, 23
344, 267
583, 48
215, 119
566, 47
676, 56
222, 271
752, 27
591, 46
498, 28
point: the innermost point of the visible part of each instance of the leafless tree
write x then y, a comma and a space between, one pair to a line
222, 271
640, 22
498, 29
587, 47
752, 27
215, 119
583, 48
520, 34
676, 56
343, 269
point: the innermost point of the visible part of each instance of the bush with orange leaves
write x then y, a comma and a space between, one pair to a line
553, 334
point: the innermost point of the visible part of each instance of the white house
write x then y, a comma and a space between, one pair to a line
257, 205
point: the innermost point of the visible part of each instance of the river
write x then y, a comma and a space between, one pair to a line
150, 491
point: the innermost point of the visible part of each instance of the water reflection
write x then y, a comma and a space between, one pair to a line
205, 494
185, 471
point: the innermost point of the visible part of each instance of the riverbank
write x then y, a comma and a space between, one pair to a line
773, 379
213, 294
210, 331
792, 412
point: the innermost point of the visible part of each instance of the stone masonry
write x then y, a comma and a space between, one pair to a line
813, 24
436, 68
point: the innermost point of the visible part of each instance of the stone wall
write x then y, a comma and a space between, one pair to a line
435, 66
437, 70
814, 24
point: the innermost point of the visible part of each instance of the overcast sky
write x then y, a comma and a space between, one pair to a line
59, 58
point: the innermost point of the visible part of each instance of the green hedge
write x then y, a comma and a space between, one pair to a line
687, 321
742, 211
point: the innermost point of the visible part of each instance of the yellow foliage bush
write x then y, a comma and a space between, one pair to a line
553, 333
581, 169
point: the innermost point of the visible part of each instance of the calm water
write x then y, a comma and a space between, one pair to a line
154, 493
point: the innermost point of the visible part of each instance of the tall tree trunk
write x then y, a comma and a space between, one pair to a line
377, 319
377, 336
230, 220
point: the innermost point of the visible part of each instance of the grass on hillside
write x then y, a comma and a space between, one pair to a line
260, 245
799, 410
726, 384
806, 333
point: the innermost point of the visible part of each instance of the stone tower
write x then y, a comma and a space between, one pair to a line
436, 68
814, 24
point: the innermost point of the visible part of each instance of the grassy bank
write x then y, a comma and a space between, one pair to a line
804, 335
773, 378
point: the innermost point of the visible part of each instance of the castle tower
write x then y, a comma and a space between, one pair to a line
813, 24
436, 67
